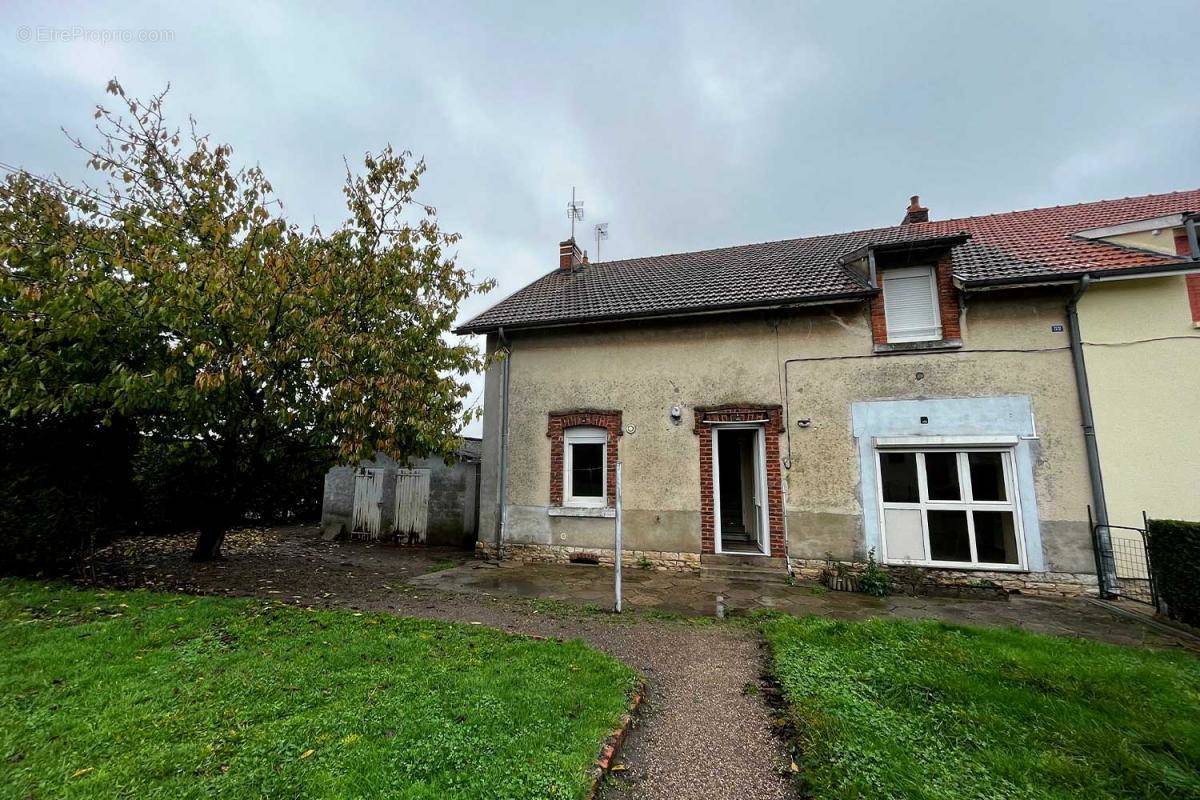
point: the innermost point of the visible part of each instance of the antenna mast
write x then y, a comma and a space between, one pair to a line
601, 234
574, 212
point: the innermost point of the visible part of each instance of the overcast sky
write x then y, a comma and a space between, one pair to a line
683, 125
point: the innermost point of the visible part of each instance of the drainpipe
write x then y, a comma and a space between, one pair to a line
1103, 541
506, 344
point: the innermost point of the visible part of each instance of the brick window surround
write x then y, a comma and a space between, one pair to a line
772, 429
947, 303
1184, 248
559, 422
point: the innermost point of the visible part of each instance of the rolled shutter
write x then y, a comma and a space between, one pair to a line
910, 304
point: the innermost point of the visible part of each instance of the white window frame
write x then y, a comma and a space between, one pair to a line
924, 334
760, 489
967, 504
584, 434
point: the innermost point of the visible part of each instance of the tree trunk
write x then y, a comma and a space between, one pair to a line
212, 532
223, 507
208, 543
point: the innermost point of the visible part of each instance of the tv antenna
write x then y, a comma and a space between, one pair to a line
601, 235
574, 212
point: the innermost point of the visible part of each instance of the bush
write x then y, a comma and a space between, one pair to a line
65, 490
1174, 548
875, 580
68, 486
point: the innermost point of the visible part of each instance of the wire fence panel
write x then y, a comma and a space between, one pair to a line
1134, 579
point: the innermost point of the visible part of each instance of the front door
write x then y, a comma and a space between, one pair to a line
739, 489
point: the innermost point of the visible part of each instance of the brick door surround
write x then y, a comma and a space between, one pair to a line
770, 417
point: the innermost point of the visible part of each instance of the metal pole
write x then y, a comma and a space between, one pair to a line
502, 522
617, 559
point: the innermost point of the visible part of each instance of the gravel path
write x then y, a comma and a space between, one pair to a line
700, 733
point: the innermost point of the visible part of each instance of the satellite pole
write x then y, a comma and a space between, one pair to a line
601, 234
574, 212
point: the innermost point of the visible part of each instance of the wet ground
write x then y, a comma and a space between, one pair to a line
700, 734
691, 595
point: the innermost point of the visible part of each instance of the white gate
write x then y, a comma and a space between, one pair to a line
412, 506
368, 503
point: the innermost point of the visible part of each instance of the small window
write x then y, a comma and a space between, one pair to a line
910, 304
585, 467
950, 507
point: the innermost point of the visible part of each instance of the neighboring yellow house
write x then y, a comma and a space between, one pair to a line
1141, 339
907, 391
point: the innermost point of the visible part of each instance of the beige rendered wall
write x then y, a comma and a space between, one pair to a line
1143, 361
643, 370
1162, 242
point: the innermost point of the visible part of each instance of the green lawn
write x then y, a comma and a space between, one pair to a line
893, 709
140, 695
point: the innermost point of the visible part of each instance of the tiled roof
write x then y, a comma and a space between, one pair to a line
471, 448
1015, 246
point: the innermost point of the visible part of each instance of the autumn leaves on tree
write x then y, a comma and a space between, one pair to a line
176, 299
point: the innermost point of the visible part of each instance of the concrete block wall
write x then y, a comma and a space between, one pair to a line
453, 499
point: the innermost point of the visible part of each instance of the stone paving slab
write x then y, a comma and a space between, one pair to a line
691, 595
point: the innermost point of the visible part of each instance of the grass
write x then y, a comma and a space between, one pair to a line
898, 709
134, 694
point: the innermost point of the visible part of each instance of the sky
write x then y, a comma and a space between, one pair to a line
684, 125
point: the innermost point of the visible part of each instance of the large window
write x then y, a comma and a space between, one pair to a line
585, 463
910, 304
950, 508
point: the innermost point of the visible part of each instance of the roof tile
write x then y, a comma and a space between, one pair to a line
1017, 245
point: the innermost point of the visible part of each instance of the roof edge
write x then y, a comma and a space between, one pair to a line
1171, 267
795, 302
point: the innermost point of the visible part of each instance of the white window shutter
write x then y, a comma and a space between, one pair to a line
910, 304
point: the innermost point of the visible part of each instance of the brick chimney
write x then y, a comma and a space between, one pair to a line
915, 212
569, 255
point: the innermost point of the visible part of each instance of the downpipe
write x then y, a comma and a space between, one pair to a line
1103, 539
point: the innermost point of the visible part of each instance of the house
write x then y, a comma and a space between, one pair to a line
947, 394
429, 501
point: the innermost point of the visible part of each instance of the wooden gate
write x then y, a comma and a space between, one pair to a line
368, 503
412, 506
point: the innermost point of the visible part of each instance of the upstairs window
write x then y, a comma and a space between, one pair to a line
585, 466
910, 304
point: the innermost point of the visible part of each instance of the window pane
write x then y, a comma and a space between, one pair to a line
995, 537
948, 536
905, 538
941, 475
587, 470
899, 473
987, 476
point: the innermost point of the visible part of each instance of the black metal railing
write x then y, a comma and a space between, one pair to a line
1130, 558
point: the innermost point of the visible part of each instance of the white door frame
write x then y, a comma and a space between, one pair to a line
760, 484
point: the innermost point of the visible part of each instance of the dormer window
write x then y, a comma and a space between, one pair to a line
910, 304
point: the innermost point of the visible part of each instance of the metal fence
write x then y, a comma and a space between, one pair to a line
1131, 559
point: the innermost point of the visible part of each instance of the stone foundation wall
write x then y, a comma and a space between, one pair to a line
908, 579
562, 554
1045, 584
